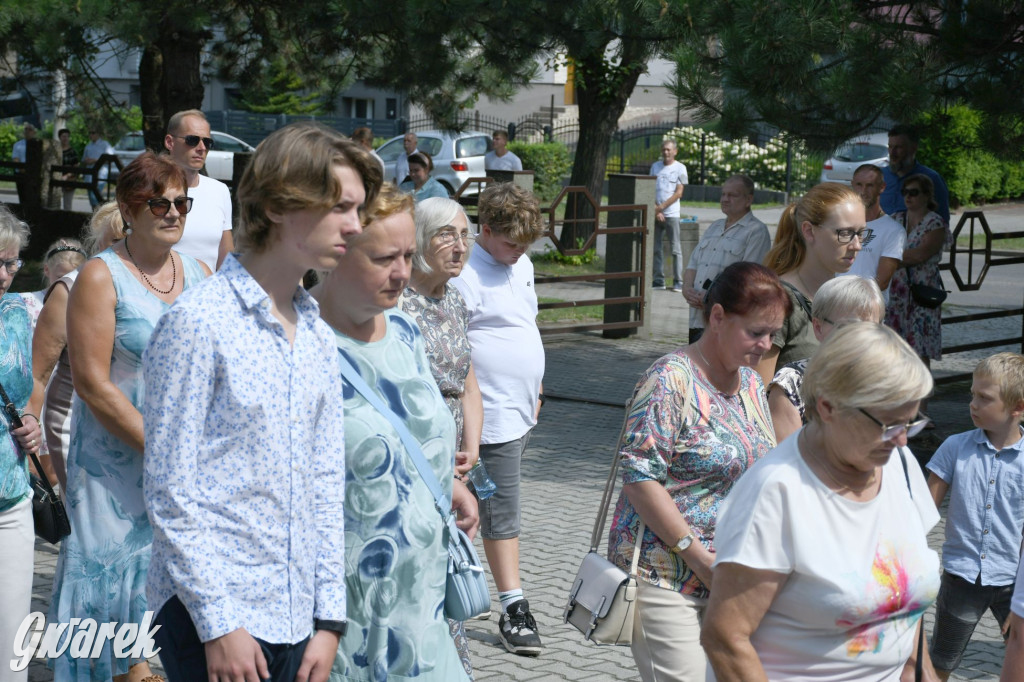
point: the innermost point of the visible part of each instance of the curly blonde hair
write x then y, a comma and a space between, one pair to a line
511, 211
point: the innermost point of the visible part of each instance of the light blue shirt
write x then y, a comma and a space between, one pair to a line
244, 462
431, 189
986, 507
16, 376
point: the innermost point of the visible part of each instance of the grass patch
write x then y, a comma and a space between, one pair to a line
997, 244
553, 264
574, 315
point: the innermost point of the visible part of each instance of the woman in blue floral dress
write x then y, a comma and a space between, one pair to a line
395, 542
117, 299
698, 420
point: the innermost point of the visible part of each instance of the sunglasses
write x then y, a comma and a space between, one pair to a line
911, 192
160, 207
194, 140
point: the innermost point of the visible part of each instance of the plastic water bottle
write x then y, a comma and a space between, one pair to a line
482, 483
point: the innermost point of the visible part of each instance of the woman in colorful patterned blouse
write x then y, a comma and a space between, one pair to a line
17, 538
442, 243
839, 300
698, 419
823, 568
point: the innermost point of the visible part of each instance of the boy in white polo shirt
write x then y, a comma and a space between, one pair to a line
508, 358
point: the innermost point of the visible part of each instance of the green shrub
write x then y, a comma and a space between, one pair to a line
549, 161
10, 133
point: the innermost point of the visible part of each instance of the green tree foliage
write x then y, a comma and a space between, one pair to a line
828, 69
550, 163
283, 92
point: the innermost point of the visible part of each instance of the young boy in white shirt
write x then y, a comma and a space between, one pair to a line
983, 471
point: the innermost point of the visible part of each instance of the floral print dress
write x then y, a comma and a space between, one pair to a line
919, 326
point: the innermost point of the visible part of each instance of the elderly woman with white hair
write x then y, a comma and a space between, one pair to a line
823, 568
839, 300
17, 537
443, 238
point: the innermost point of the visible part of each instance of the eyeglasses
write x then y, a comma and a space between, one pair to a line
159, 207
845, 235
194, 140
12, 265
891, 431
911, 192
448, 237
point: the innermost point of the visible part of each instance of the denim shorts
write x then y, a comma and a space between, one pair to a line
959, 607
500, 513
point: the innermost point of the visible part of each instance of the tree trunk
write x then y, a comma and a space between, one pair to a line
170, 78
602, 98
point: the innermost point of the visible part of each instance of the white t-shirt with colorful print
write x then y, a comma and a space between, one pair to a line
860, 573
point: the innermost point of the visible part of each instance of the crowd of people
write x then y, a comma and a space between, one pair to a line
255, 463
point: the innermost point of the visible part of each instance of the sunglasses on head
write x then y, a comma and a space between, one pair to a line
911, 192
159, 207
193, 140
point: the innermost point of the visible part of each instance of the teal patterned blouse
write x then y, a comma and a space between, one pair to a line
16, 376
696, 441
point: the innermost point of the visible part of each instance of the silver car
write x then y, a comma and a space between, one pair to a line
873, 149
220, 161
456, 156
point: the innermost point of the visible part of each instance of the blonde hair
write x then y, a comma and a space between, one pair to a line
106, 219
14, 232
64, 255
864, 365
431, 215
510, 211
849, 298
789, 249
293, 170
1007, 370
389, 201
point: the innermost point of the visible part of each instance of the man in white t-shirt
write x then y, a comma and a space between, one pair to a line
207, 236
409, 142
508, 359
672, 180
882, 246
501, 158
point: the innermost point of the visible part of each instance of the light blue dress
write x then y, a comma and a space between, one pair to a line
395, 552
101, 570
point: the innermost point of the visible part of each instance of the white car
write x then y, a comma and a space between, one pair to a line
220, 161
873, 149
456, 156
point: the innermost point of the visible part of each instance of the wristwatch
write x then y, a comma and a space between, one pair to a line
683, 544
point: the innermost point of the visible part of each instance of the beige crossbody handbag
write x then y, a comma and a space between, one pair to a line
603, 596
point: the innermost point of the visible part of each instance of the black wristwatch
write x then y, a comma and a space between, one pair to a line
339, 626
542, 399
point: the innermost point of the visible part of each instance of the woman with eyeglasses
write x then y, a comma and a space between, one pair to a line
116, 301
927, 234
443, 238
17, 537
420, 184
818, 237
823, 568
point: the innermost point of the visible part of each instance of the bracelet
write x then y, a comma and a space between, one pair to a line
460, 477
29, 414
542, 398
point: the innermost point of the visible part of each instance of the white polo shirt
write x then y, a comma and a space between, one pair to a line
508, 355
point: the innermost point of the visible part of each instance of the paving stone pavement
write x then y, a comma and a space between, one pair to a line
564, 469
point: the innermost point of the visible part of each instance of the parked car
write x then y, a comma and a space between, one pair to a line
873, 149
220, 162
456, 156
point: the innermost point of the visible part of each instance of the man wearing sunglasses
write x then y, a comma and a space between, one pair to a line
883, 242
903, 163
207, 235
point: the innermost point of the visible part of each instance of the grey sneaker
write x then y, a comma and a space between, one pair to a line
517, 630
678, 288
660, 287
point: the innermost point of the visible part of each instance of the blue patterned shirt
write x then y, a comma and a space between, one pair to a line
245, 465
986, 498
16, 376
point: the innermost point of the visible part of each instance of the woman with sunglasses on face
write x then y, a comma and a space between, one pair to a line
116, 301
823, 568
919, 326
818, 237
443, 238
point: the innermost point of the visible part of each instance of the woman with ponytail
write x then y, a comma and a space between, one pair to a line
818, 237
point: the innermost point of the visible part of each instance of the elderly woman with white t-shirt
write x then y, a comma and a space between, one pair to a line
823, 568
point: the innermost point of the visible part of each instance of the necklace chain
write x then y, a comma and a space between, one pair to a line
174, 271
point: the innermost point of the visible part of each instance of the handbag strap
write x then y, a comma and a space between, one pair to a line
12, 414
441, 503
